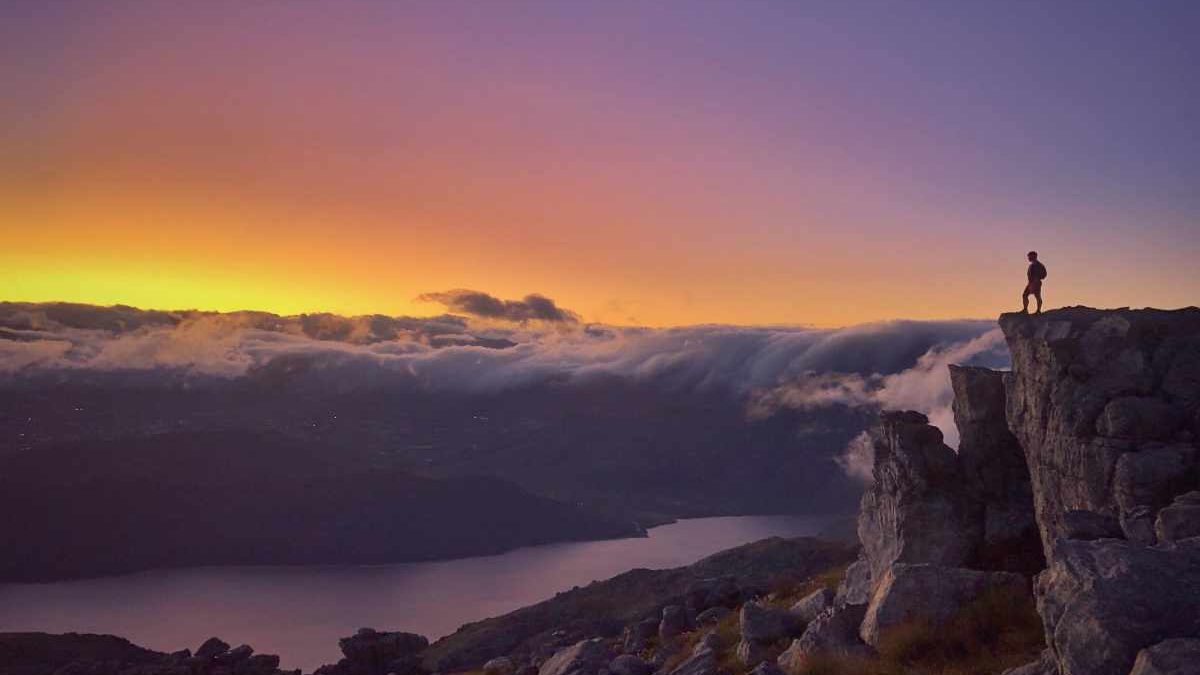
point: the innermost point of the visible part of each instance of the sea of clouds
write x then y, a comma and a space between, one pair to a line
488, 345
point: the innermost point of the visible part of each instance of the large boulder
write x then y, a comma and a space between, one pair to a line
932, 593
586, 657
1103, 601
834, 631
765, 624
810, 606
1179, 656
918, 508
855, 586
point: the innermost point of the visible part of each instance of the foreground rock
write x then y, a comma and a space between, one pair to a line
87, 654
1106, 405
1104, 601
931, 593
834, 631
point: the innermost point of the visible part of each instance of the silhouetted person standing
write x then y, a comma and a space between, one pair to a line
1035, 274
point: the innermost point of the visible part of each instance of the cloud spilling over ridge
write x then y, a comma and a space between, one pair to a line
924, 387
896, 364
456, 352
533, 307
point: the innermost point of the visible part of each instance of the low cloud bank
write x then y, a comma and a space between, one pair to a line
896, 364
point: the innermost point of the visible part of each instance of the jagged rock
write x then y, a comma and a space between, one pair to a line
918, 508
1180, 520
529, 669
1088, 525
994, 470
211, 648
933, 593
702, 661
1045, 665
1179, 656
811, 605
764, 624
628, 664
855, 587
674, 621
1103, 601
834, 631
501, 665
585, 657
712, 615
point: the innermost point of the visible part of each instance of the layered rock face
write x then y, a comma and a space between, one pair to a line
1106, 405
938, 528
918, 510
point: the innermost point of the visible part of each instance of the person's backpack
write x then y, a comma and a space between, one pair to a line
1041, 271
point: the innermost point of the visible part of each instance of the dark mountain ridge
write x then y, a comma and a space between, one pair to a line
91, 508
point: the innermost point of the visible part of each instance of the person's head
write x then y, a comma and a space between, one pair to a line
1032, 256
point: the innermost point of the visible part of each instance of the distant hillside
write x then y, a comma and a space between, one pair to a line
605, 607
101, 507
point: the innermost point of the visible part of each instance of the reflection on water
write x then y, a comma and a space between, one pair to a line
300, 612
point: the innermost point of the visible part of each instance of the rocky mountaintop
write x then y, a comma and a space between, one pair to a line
1062, 538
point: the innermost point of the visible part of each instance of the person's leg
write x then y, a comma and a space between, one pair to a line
1037, 294
1025, 300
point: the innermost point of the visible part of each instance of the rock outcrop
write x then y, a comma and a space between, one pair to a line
918, 509
927, 592
1106, 406
372, 652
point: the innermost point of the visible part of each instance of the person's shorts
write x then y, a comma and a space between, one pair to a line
1033, 288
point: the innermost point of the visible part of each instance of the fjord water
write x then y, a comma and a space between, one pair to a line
300, 612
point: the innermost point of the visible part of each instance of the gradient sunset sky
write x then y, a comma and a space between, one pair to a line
658, 163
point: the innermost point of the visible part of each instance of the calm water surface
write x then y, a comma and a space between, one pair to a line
300, 612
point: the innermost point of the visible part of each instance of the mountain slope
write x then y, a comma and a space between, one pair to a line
180, 499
